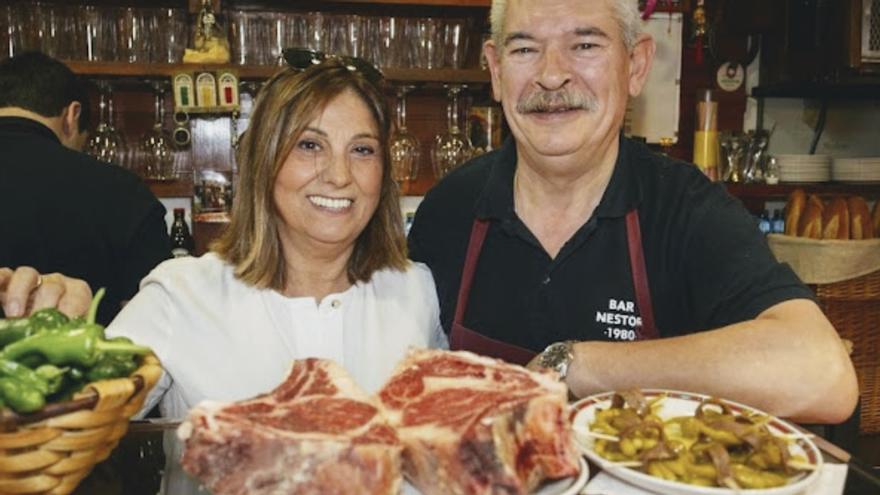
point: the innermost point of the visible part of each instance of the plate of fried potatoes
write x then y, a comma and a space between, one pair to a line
673, 443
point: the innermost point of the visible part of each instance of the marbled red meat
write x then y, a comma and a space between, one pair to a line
474, 425
316, 433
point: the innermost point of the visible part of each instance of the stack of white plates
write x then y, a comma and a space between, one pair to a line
804, 168
856, 169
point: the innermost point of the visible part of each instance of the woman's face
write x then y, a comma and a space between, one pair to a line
329, 185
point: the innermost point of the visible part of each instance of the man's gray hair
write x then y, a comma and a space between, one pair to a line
626, 13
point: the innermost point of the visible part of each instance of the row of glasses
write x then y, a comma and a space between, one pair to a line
94, 33
449, 149
259, 37
154, 156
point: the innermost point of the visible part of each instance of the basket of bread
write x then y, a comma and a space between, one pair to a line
834, 246
66, 396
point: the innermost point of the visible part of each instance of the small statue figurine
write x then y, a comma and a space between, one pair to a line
209, 42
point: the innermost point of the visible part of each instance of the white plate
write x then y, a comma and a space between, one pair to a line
583, 413
567, 486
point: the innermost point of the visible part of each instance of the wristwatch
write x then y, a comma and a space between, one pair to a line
557, 357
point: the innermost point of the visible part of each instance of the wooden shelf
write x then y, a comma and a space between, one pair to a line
170, 189
869, 90
755, 196
126, 70
443, 3
781, 191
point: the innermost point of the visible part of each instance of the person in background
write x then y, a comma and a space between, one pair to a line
61, 210
622, 267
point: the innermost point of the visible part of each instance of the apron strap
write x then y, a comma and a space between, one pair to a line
475, 245
640, 276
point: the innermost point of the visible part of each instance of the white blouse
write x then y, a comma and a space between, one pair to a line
220, 339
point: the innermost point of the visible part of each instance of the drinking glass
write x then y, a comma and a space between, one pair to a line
403, 146
455, 38
156, 153
107, 144
171, 35
453, 147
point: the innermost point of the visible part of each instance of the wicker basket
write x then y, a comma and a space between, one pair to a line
51, 451
853, 306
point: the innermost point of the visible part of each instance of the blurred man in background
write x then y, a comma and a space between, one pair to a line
61, 210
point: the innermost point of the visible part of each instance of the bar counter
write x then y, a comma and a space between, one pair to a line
138, 466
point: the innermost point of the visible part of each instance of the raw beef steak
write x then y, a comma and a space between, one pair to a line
317, 433
476, 425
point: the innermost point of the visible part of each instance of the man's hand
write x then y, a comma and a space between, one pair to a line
24, 291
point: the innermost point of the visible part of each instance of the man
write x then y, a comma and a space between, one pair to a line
61, 210
571, 232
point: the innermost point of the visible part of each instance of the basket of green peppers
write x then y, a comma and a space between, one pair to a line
48, 357
67, 394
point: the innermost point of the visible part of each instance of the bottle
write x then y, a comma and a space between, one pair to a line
764, 223
706, 145
778, 222
182, 243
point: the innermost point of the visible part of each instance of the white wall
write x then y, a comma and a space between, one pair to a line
852, 127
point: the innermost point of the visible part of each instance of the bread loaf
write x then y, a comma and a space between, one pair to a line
835, 220
861, 226
793, 211
810, 223
877, 218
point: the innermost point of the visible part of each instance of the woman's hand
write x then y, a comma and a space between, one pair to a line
24, 290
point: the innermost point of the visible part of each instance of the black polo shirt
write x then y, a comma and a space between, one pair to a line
707, 263
63, 211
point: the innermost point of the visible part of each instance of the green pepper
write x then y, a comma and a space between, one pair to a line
80, 346
21, 387
23, 374
48, 318
112, 366
76, 343
20, 397
14, 329
52, 375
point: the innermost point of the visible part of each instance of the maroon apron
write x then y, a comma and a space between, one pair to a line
463, 338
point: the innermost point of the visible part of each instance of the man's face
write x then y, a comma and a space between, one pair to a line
562, 74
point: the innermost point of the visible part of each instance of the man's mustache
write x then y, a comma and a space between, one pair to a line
549, 101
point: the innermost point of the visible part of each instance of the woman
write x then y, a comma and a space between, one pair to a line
313, 263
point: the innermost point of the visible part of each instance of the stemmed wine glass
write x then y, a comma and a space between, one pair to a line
403, 146
107, 144
453, 147
157, 155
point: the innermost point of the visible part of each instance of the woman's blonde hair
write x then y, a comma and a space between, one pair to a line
285, 106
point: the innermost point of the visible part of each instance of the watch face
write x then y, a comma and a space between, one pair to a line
554, 355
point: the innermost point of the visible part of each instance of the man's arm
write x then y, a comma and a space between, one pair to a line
789, 361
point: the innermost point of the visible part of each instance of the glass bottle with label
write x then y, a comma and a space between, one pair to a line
706, 134
182, 243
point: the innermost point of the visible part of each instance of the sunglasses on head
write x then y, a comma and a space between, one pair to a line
303, 58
